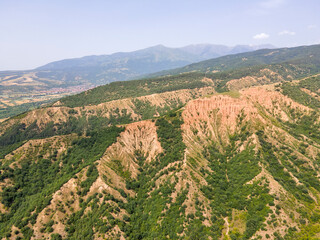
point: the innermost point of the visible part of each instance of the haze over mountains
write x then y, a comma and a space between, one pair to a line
102, 69
247, 59
57, 79
227, 153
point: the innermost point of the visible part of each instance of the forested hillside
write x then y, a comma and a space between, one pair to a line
306, 56
232, 154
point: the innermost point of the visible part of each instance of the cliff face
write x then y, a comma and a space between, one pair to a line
238, 165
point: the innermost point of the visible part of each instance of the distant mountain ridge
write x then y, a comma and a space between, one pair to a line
57, 79
164, 57
282, 64
249, 59
120, 66
207, 51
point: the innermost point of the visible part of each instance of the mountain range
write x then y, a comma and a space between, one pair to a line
102, 69
227, 148
124, 66
24, 90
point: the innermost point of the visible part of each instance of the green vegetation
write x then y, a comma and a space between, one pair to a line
304, 124
159, 203
233, 94
35, 182
136, 88
295, 93
277, 170
312, 84
297, 58
228, 189
80, 225
17, 134
148, 111
19, 109
147, 212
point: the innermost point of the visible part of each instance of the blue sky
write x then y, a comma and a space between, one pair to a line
35, 32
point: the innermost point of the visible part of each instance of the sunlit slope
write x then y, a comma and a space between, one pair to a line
192, 156
233, 165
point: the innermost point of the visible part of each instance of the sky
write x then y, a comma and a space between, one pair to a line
36, 32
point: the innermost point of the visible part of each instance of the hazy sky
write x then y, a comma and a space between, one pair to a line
35, 32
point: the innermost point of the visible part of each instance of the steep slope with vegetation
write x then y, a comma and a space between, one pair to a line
169, 158
306, 56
